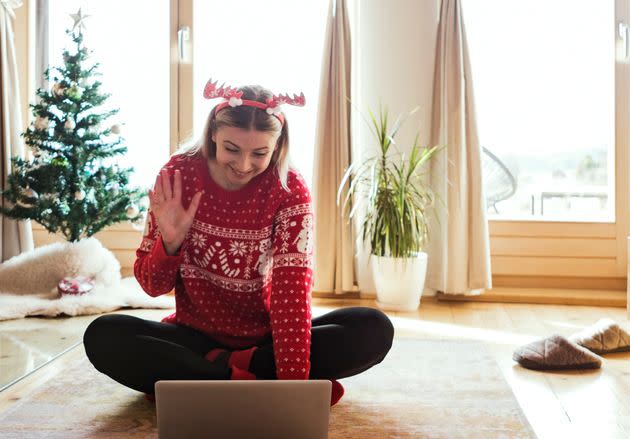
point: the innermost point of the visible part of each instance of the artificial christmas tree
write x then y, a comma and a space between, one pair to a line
69, 186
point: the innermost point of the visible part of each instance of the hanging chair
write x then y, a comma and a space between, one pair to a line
498, 182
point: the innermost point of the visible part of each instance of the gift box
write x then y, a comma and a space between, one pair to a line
75, 286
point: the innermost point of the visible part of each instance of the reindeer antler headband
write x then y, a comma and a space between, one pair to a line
232, 98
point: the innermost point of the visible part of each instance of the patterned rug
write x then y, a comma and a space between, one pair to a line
423, 389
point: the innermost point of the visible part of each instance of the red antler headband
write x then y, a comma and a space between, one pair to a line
232, 98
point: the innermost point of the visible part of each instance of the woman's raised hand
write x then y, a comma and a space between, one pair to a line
173, 220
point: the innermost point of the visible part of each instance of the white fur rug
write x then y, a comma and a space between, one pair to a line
28, 282
126, 294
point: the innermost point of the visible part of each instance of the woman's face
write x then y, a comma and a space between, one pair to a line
243, 154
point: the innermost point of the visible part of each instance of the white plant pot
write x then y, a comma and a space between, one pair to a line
399, 281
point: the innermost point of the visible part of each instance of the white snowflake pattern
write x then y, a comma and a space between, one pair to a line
198, 239
284, 236
238, 248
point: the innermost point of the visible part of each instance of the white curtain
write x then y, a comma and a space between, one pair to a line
334, 269
41, 48
459, 253
15, 236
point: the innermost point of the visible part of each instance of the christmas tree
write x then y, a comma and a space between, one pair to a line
68, 185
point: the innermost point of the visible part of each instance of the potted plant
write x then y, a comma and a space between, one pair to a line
389, 191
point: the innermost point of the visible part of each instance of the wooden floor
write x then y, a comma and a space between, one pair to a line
558, 405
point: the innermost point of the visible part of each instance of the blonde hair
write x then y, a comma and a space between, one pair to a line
248, 118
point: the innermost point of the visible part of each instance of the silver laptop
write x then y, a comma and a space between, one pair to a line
275, 409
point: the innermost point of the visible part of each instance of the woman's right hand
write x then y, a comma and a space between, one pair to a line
172, 219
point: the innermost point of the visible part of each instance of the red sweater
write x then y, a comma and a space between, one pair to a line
244, 269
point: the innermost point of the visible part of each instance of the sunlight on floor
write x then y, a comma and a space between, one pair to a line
411, 327
566, 325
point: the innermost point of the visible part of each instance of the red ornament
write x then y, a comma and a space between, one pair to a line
75, 286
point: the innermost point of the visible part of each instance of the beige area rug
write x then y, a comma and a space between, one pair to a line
423, 389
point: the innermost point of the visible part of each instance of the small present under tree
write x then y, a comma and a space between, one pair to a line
68, 186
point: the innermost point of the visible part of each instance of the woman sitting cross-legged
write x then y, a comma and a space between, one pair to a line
230, 228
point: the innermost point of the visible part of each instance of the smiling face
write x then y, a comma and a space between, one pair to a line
241, 155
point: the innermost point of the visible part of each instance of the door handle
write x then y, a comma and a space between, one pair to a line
622, 33
183, 34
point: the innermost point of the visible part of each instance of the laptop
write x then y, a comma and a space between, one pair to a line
262, 409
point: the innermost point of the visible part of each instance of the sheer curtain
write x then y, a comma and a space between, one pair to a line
15, 236
334, 243
459, 255
41, 47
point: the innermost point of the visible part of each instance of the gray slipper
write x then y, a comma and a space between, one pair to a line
603, 337
556, 353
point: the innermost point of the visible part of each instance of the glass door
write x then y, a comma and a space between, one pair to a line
549, 80
131, 42
545, 102
277, 44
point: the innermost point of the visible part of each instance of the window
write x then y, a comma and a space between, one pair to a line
544, 82
135, 70
277, 44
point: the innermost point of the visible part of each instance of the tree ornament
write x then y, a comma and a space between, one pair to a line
42, 123
30, 193
58, 89
59, 162
79, 20
75, 286
74, 92
116, 129
79, 195
132, 211
69, 125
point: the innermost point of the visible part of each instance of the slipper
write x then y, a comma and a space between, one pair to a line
603, 337
556, 353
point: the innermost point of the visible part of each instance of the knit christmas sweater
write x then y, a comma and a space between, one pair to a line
244, 270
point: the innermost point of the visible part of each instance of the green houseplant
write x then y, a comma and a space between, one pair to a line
389, 191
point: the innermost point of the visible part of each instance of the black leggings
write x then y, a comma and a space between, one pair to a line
137, 353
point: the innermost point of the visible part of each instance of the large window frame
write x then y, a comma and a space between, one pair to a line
574, 254
122, 238
524, 253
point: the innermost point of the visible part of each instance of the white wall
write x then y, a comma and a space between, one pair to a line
393, 56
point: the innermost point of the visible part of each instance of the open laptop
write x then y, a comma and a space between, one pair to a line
262, 409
